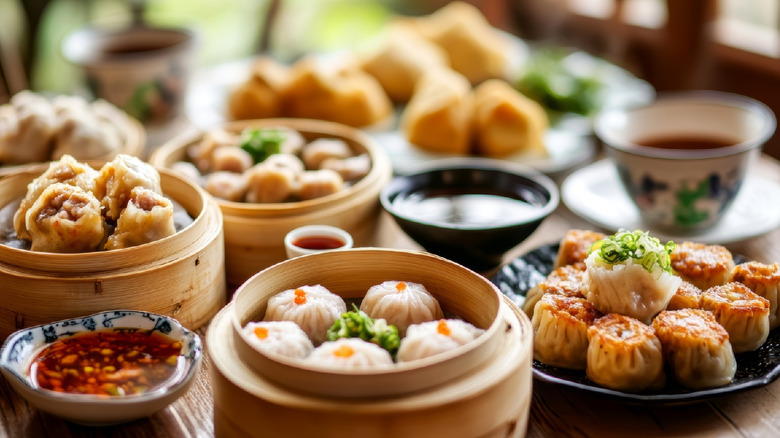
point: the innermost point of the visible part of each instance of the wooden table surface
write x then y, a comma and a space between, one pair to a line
555, 411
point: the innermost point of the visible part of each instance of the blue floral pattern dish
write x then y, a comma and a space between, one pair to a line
21, 347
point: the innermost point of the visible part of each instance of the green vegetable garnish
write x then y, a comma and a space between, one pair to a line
639, 246
357, 324
262, 143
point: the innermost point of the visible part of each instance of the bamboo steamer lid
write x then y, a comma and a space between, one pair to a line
492, 400
181, 276
254, 232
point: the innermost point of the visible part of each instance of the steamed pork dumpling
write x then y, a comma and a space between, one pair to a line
318, 183
65, 219
265, 183
118, 178
279, 337
401, 303
313, 308
27, 126
630, 273
319, 150
147, 217
226, 185
350, 353
82, 132
434, 337
66, 170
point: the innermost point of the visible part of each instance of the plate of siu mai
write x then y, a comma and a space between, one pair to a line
631, 317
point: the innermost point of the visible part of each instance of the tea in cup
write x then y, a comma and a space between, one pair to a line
311, 239
682, 159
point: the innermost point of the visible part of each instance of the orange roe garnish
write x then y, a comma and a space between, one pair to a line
300, 296
443, 328
261, 332
344, 351
401, 286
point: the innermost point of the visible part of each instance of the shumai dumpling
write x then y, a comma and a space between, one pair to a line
313, 308
744, 314
118, 178
764, 280
629, 273
507, 122
703, 265
147, 217
434, 337
696, 348
624, 354
560, 326
65, 219
401, 303
66, 170
439, 116
259, 97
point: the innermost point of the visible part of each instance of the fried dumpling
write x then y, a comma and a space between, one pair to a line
313, 308
560, 326
401, 303
696, 348
507, 122
65, 219
118, 178
574, 247
438, 118
764, 280
66, 170
567, 280
147, 217
687, 296
260, 96
743, 314
703, 265
624, 354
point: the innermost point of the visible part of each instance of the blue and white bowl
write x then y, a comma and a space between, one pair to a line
22, 347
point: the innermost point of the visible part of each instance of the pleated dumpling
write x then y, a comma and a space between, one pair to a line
147, 217
65, 219
434, 337
66, 170
568, 280
744, 314
624, 354
702, 265
560, 326
696, 348
279, 337
350, 353
313, 308
764, 280
27, 126
574, 247
401, 303
118, 178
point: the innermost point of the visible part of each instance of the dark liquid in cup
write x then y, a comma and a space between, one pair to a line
318, 242
687, 143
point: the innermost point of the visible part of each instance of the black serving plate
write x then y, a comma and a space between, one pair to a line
754, 369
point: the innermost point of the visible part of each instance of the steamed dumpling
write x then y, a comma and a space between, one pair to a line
279, 337
147, 217
350, 353
313, 308
434, 337
118, 178
65, 219
27, 126
401, 303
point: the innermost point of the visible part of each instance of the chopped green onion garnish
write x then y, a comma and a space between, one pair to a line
639, 246
357, 324
262, 143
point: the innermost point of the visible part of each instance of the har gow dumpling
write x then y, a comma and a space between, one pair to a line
350, 353
147, 217
434, 337
284, 338
401, 303
118, 178
65, 219
313, 308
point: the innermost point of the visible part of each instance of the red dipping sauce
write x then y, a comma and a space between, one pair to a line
318, 242
110, 363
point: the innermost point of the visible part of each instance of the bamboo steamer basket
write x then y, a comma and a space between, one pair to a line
491, 400
181, 276
254, 232
134, 144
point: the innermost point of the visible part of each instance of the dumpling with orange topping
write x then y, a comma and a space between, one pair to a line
350, 353
279, 337
401, 303
313, 308
434, 337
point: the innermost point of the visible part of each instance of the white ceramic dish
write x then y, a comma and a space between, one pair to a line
22, 346
595, 194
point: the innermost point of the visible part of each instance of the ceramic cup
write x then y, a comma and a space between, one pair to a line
682, 158
143, 70
311, 239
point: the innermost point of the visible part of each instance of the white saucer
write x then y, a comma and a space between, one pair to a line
596, 194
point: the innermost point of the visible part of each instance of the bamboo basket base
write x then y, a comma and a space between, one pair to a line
491, 401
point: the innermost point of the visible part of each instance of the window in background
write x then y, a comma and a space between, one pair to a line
750, 25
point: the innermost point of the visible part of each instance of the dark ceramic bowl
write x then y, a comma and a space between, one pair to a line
470, 210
